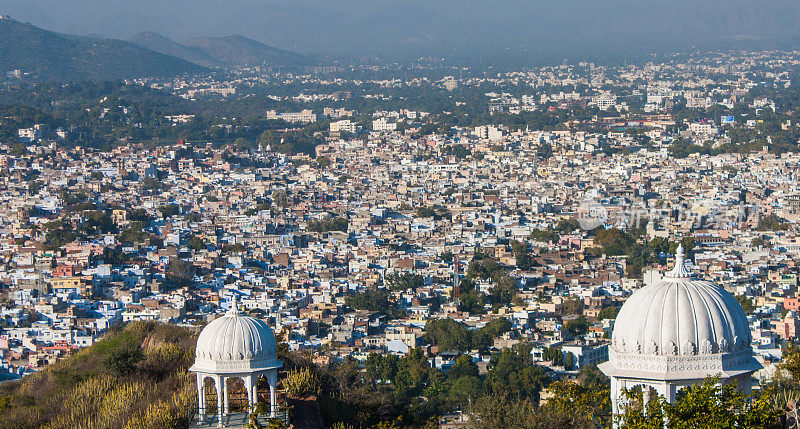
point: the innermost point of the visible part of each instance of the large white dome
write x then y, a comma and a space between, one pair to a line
680, 328
235, 343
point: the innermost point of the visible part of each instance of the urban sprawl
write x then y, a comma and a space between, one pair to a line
400, 225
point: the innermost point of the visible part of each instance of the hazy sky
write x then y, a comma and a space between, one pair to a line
462, 9
88, 12
381, 26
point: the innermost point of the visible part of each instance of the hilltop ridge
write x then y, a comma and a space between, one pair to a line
46, 55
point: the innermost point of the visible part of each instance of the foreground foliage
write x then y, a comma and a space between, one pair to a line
705, 405
134, 378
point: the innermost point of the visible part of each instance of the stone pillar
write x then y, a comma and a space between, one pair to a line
622, 401
614, 396
201, 398
272, 378
670, 390
225, 394
645, 398
745, 383
670, 393
254, 390
614, 408
249, 391
218, 384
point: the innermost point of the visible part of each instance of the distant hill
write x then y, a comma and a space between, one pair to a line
566, 28
157, 42
52, 56
238, 50
25, 11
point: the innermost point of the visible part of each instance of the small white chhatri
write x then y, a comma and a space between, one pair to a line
236, 346
675, 333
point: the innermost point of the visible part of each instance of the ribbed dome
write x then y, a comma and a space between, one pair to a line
680, 328
680, 316
234, 343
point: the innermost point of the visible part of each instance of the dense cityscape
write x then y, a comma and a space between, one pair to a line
432, 245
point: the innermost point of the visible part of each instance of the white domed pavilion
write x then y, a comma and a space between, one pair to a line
675, 333
235, 346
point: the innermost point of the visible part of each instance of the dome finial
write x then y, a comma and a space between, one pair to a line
234, 310
679, 271
679, 254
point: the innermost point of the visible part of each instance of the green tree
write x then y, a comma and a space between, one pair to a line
134, 233
169, 210
462, 367
504, 288
772, 222
746, 303
180, 273
522, 255
448, 334
423, 212
96, 222
302, 382
374, 300
704, 405
466, 389
139, 215
58, 233
196, 243
404, 281
323, 162
567, 226
577, 326
544, 151
547, 236
122, 361
569, 361
554, 355
327, 225
514, 374
609, 312
458, 150
614, 242
471, 299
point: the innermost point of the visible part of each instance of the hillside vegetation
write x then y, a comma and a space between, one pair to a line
46, 55
134, 378
236, 50
161, 44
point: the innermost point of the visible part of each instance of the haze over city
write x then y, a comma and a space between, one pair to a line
588, 28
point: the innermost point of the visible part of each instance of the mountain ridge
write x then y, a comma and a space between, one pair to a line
46, 55
237, 50
158, 43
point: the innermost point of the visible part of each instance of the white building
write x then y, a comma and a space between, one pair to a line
656, 99
488, 132
605, 101
235, 346
675, 333
30, 135
700, 128
345, 125
381, 124
306, 116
